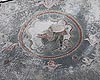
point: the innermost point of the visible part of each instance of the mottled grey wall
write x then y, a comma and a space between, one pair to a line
15, 64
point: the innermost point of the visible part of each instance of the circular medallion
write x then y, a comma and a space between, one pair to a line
51, 35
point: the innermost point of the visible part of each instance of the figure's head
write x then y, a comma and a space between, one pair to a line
57, 28
62, 22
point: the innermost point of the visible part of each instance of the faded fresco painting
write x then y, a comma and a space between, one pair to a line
49, 40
